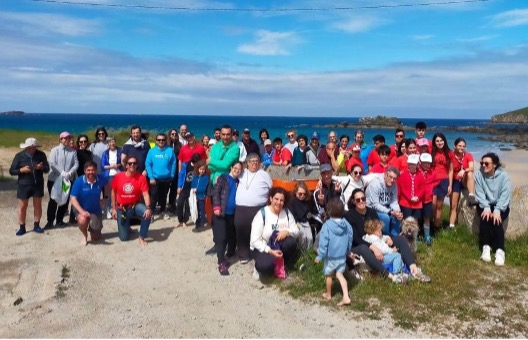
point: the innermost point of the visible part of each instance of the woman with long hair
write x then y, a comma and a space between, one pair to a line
443, 168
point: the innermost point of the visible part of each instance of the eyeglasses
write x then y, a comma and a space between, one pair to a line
360, 199
392, 178
83, 141
357, 173
400, 136
485, 163
132, 163
160, 140
100, 133
253, 161
299, 193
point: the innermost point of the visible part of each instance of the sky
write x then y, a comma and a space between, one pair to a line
353, 58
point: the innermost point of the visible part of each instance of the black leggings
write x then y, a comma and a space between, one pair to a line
265, 263
243, 219
492, 234
54, 210
182, 208
224, 235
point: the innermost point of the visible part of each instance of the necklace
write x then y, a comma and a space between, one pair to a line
248, 182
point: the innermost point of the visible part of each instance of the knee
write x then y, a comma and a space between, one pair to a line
265, 266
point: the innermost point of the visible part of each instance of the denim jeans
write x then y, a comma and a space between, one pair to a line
123, 221
395, 260
200, 222
391, 226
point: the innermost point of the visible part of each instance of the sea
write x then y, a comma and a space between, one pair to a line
276, 125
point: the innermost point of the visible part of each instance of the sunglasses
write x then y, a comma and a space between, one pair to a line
160, 140
100, 133
132, 163
399, 136
301, 193
291, 136
83, 141
485, 163
357, 173
360, 199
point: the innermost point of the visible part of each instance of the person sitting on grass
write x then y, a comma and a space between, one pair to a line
335, 242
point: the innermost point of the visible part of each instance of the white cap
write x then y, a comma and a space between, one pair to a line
426, 158
413, 159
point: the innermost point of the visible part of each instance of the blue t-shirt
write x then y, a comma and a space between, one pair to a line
89, 195
230, 206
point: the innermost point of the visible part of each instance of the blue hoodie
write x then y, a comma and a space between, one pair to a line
160, 164
335, 240
200, 182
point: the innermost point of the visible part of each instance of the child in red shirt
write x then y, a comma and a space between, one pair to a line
411, 189
282, 155
383, 156
430, 182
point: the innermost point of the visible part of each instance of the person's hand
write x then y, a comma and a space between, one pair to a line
377, 253
282, 235
114, 214
25, 170
153, 182
148, 213
39, 166
486, 215
85, 214
389, 241
449, 190
497, 220
394, 249
275, 253
317, 260
337, 186
217, 212
179, 191
461, 174
320, 196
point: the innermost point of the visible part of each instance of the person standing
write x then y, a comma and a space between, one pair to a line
128, 187
63, 163
359, 139
86, 202
111, 164
137, 147
493, 192
189, 149
83, 155
183, 134
249, 143
29, 165
161, 169
97, 148
175, 145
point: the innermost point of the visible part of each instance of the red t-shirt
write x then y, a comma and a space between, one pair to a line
460, 162
373, 157
379, 168
283, 155
129, 190
186, 152
441, 167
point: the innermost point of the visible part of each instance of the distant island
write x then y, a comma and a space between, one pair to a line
513, 117
12, 113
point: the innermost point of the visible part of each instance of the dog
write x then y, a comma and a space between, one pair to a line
410, 229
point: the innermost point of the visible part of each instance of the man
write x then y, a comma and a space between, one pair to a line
189, 149
332, 137
359, 138
243, 154
29, 165
183, 134
373, 157
86, 202
217, 134
161, 169
324, 192
249, 143
127, 189
399, 137
329, 155
136, 147
292, 140
382, 196
63, 163
311, 155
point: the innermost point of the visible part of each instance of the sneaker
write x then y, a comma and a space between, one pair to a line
400, 278
211, 251
244, 261
166, 217
451, 226
500, 257
472, 200
38, 229
109, 214
256, 274
428, 240
418, 275
486, 253
60, 225
48, 225
197, 229
222, 268
21, 232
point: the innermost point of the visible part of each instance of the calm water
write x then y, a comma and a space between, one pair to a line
277, 126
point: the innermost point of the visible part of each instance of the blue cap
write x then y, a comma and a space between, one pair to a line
315, 135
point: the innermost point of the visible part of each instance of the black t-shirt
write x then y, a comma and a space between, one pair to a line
357, 221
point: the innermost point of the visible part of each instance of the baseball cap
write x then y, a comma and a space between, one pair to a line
246, 130
413, 159
235, 132
325, 167
267, 142
29, 142
426, 158
64, 134
189, 134
315, 135
422, 142
356, 147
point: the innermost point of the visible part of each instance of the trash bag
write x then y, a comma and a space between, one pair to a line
61, 190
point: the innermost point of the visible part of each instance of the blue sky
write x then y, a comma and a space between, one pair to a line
467, 59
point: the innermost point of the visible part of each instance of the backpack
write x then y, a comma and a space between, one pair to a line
263, 212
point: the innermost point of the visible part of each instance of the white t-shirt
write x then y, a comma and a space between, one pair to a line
261, 233
253, 188
112, 159
379, 242
291, 146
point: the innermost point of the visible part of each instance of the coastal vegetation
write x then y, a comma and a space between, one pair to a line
519, 116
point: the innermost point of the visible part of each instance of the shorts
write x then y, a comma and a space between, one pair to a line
25, 191
457, 185
334, 266
96, 221
440, 191
427, 210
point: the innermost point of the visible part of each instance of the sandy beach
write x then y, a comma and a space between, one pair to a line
171, 289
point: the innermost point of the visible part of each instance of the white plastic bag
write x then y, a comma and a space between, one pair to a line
60, 190
193, 206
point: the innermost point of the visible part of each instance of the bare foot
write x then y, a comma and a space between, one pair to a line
344, 302
143, 243
184, 225
180, 225
84, 241
327, 296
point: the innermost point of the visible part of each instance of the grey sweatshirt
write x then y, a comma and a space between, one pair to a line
380, 197
493, 190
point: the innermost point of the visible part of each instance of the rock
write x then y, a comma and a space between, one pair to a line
515, 225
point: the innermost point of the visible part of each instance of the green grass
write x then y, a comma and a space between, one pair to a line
457, 300
62, 287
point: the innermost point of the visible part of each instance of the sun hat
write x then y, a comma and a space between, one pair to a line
267, 142
422, 142
29, 142
413, 159
64, 134
325, 167
426, 158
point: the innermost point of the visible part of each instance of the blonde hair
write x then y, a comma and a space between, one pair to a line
372, 225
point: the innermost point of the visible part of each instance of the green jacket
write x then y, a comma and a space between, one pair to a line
221, 159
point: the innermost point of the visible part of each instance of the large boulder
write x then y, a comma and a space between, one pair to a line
514, 226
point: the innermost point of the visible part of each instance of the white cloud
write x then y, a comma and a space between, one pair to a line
356, 24
516, 17
271, 43
479, 39
422, 37
37, 24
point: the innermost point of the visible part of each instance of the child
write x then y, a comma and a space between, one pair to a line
282, 155
384, 243
335, 243
199, 186
185, 178
384, 152
427, 203
411, 188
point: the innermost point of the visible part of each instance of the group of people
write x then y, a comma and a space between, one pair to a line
349, 217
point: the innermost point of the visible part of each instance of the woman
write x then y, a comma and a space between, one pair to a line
493, 191
83, 155
443, 168
252, 194
300, 208
273, 221
175, 144
354, 180
299, 153
357, 216
263, 135
98, 146
111, 165
224, 234
344, 153
463, 167
409, 148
